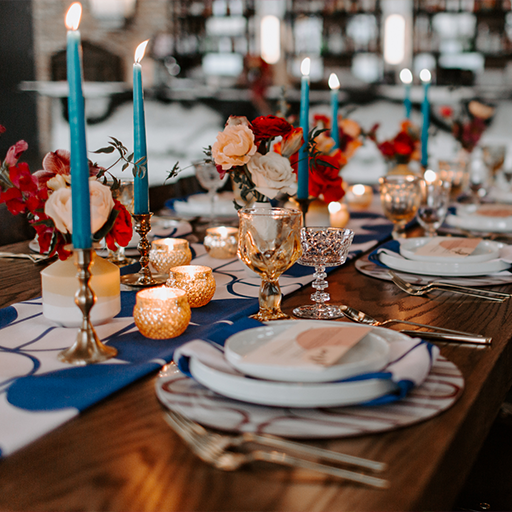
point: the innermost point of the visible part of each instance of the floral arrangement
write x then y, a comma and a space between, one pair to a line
402, 148
325, 181
468, 127
45, 197
265, 168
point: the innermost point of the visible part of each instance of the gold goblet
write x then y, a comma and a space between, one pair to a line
269, 244
400, 198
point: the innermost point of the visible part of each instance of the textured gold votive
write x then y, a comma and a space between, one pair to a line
196, 280
161, 312
169, 252
221, 242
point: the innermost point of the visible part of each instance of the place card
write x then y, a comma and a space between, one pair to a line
454, 247
306, 347
495, 210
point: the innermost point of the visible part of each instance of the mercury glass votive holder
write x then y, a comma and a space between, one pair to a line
169, 252
196, 280
221, 242
162, 312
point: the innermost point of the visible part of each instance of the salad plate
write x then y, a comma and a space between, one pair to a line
486, 250
490, 217
369, 354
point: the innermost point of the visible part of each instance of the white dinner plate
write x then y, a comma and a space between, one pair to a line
486, 250
295, 394
430, 268
468, 218
371, 353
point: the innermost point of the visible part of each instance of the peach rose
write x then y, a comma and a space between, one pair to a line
272, 174
234, 146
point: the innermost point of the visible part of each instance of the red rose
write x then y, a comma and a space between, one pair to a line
121, 232
403, 144
325, 180
268, 127
387, 149
446, 111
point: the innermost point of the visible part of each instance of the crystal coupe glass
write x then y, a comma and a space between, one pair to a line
269, 244
322, 247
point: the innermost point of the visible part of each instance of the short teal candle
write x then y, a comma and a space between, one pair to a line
80, 201
303, 165
140, 183
334, 84
425, 110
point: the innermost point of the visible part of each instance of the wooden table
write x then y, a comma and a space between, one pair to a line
121, 455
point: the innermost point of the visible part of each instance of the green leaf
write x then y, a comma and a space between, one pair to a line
109, 149
101, 233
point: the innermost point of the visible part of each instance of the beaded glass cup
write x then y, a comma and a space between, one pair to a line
196, 280
221, 242
169, 252
162, 312
322, 247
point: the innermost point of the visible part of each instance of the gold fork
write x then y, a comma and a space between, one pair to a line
213, 449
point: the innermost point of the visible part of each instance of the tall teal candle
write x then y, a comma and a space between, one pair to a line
140, 183
425, 77
406, 78
80, 201
334, 84
303, 165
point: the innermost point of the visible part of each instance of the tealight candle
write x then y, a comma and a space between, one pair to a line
196, 280
162, 312
338, 214
221, 242
169, 252
359, 196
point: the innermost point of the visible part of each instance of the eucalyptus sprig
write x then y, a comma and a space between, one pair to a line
139, 166
177, 169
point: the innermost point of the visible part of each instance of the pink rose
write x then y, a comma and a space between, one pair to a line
234, 146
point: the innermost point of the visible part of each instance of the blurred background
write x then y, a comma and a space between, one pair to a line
210, 59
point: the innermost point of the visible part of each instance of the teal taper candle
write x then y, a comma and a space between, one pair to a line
80, 201
303, 165
141, 182
425, 77
334, 84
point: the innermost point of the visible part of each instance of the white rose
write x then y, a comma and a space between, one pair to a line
58, 207
272, 174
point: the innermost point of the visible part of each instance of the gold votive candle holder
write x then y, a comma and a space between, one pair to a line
169, 252
221, 242
359, 197
196, 280
161, 312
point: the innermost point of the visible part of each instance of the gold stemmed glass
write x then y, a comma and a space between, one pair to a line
400, 198
322, 247
269, 244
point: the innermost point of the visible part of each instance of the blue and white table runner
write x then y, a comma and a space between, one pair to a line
38, 393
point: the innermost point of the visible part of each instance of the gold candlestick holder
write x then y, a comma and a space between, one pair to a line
87, 349
143, 278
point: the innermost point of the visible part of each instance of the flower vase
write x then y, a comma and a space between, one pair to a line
59, 284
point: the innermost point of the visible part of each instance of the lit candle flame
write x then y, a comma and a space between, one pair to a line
305, 66
334, 82
425, 75
139, 52
430, 176
334, 207
73, 16
406, 76
358, 190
